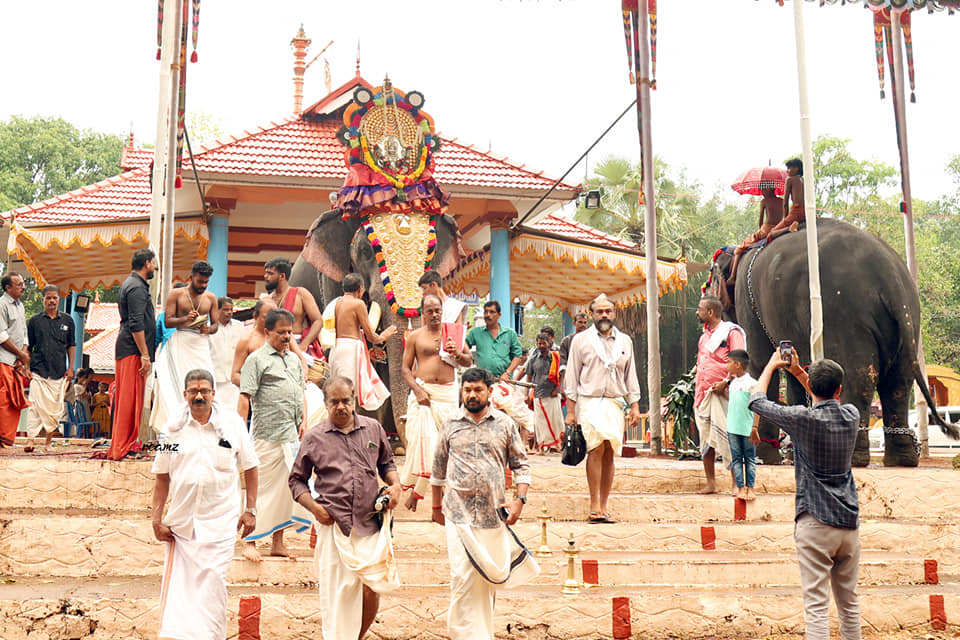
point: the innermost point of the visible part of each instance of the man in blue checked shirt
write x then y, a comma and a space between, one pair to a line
828, 542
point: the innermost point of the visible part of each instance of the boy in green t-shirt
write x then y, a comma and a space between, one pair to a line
742, 425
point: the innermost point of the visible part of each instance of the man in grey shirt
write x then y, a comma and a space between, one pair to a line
271, 380
827, 520
14, 357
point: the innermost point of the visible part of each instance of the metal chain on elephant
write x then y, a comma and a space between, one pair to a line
753, 299
903, 431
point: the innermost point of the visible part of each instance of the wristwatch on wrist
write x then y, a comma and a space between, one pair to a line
251, 510
522, 499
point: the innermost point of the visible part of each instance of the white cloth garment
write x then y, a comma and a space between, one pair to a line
184, 351
276, 509
46, 404
452, 309
350, 359
510, 399
720, 334
548, 421
193, 595
344, 565
711, 418
423, 424
204, 480
223, 346
316, 408
472, 596
601, 419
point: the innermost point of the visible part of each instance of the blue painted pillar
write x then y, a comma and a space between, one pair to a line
500, 271
219, 230
78, 319
568, 327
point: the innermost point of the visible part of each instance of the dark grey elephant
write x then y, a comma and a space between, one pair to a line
871, 318
336, 246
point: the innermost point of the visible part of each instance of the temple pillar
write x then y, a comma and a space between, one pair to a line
218, 228
568, 327
500, 271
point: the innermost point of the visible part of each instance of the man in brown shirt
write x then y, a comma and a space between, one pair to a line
348, 452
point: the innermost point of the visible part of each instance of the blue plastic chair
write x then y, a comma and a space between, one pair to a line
81, 427
83, 418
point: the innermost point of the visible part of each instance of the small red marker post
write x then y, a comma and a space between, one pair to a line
708, 538
938, 616
591, 572
930, 573
621, 618
249, 618
739, 509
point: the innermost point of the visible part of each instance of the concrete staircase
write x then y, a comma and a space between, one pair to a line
78, 559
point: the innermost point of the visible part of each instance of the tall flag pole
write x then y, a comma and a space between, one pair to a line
178, 58
809, 196
636, 18
168, 28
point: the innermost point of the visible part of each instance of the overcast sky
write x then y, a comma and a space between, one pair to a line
537, 81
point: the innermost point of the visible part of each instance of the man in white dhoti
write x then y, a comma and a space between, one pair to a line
433, 395
349, 357
543, 370
196, 466
600, 376
345, 454
709, 401
192, 311
474, 448
271, 382
52, 341
223, 345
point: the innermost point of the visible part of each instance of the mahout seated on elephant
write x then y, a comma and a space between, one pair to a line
871, 326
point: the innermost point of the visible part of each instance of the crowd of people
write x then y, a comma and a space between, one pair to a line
237, 408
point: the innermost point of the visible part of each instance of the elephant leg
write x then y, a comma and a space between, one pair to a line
859, 385
899, 443
769, 432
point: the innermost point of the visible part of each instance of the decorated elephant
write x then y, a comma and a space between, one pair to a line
336, 246
871, 318
389, 221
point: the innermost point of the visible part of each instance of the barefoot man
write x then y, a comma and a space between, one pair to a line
349, 357
709, 404
271, 381
433, 395
793, 190
307, 320
194, 313
52, 348
223, 345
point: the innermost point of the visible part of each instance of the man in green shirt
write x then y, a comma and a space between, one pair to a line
271, 381
498, 348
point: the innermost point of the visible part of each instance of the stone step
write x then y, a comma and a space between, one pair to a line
90, 546
58, 545
39, 482
99, 609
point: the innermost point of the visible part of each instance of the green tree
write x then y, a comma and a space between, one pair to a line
43, 157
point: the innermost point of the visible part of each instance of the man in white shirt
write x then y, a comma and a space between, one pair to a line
196, 466
223, 345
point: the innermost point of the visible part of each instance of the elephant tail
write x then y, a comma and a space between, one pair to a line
947, 428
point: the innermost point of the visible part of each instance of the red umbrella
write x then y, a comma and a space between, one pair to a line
752, 180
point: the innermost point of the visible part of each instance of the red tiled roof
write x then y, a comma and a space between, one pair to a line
102, 315
552, 223
120, 197
301, 147
102, 349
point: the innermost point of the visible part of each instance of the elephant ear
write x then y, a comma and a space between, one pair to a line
449, 246
327, 244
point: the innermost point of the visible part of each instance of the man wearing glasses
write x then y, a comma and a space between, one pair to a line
196, 467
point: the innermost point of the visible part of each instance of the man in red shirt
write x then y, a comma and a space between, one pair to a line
709, 401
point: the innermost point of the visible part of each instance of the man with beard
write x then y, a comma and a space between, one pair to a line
196, 466
193, 312
600, 376
474, 448
308, 320
433, 395
271, 382
52, 348
134, 352
543, 370
223, 345
709, 400
346, 453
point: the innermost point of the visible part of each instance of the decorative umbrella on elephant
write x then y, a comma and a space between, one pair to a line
753, 181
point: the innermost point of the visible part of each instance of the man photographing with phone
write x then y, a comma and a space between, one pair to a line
827, 508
